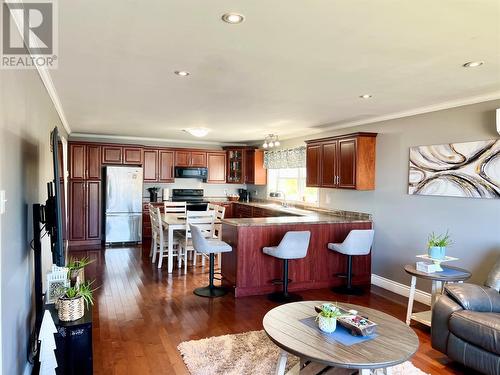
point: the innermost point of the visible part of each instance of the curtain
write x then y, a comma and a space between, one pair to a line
287, 158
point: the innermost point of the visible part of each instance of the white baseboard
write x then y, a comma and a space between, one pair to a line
401, 289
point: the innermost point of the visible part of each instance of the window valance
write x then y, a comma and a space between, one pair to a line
287, 158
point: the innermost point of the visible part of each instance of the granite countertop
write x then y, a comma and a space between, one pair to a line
301, 216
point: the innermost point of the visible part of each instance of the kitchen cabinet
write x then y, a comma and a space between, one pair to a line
188, 158
112, 154
255, 173
85, 212
85, 161
150, 166
132, 155
216, 163
346, 162
235, 166
166, 166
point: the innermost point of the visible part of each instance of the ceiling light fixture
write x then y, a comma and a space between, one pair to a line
197, 132
182, 73
270, 141
233, 18
366, 96
473, 64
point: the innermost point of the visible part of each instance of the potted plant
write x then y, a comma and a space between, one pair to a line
76, 270
327, 317
71, 302
437, 244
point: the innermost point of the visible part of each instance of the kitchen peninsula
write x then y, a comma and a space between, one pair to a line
248, 271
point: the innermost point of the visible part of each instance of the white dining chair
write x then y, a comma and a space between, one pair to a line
220, 212
203, 220
160, 238
174, 207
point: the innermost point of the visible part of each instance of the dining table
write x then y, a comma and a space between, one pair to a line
172, 222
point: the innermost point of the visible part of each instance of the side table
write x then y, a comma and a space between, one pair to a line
448, 275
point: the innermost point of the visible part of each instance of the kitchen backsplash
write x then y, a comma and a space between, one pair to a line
210, 190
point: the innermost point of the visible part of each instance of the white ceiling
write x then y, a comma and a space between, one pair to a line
290, 68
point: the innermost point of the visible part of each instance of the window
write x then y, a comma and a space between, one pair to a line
292, 183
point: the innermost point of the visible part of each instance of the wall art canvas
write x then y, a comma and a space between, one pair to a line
469, 169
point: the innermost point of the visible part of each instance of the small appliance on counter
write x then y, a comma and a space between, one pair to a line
165, 194
244, 195
153, 194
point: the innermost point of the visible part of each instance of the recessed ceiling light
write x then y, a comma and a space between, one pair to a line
366, 96
197, 132
182, 73
473, 64
233, 18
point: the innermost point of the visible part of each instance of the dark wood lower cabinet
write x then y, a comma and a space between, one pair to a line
85, 213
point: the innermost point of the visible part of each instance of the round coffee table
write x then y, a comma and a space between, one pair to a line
395, 343
448, 275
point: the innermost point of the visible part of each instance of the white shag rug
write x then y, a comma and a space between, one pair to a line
247, 353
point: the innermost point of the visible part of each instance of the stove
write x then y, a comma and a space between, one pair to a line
193, 198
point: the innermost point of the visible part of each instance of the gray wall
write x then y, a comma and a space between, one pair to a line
26, 118
403, 221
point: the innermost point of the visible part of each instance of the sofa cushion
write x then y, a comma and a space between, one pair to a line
493, 280
478, 328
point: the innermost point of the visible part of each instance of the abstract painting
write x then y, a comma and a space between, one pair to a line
469, 169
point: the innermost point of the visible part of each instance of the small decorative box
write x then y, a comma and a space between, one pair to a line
427, 267
358, 325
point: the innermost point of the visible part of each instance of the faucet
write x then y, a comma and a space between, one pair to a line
282, 194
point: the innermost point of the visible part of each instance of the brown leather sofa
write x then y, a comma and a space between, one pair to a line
466, 324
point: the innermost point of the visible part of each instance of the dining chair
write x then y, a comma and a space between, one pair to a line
220, 212
153, 233
174, 207
203, 220
160, 240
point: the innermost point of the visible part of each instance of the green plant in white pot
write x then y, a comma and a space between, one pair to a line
327, 317
437, 244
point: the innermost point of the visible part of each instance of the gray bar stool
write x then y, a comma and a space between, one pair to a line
293, 246
204, 243
357, 242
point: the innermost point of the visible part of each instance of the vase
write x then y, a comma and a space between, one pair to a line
70, 309
437, 252
327, 325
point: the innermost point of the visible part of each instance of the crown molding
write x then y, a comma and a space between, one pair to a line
495, 95
152, 139
44, 75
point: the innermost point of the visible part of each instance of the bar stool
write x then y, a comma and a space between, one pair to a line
203, 242
293, 246
357, 242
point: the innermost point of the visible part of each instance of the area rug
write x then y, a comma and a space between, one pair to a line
247, 353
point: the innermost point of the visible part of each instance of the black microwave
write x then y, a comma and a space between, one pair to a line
191, 172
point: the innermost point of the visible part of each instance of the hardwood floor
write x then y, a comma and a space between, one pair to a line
141, 314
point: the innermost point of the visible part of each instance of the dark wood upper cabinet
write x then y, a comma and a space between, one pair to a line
150, 166
255, 173
77, 161
235, 167
94, 162
198, 159
216, 162
313, 165
188, 158
132, 155
182, 158
347, 164
346, 161
112, 155
329, 164
166, 166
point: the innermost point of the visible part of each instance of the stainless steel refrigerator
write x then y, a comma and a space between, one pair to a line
123, 204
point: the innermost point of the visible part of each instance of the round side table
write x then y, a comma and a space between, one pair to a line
448, 275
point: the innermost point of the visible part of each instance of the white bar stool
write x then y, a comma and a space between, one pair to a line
293, 246
203, 242
357, 242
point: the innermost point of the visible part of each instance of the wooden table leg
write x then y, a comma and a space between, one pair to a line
281, 365
411, 297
